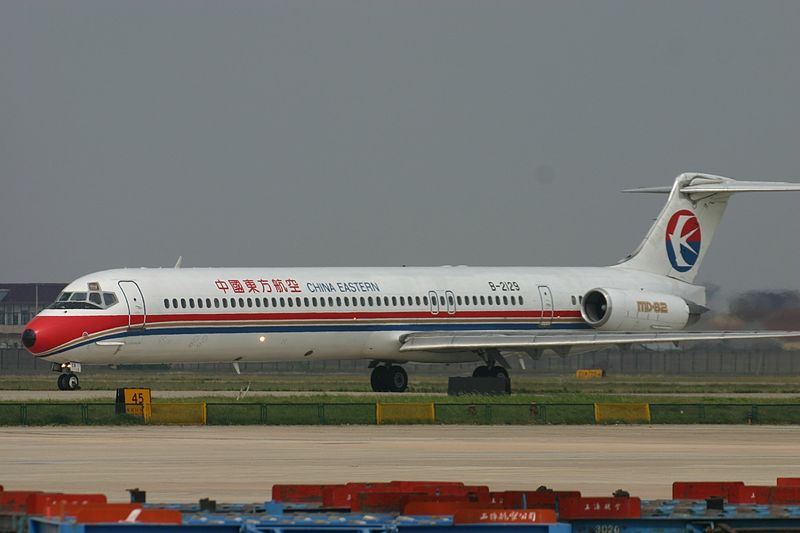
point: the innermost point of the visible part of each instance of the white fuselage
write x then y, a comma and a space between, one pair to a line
285, 314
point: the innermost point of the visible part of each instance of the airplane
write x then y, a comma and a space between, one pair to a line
391, 316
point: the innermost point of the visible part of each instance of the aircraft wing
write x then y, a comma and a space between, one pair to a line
527, 341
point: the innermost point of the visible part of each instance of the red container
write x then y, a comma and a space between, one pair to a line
297, 493
610, 507
504, 516
16, 500
789, 481
336, 497
758, 494
443, 508
126, 513
700, 490
53, 504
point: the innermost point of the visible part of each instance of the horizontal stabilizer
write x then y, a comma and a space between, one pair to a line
709, 184
525, 340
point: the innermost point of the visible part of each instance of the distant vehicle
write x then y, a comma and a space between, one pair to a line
390, 316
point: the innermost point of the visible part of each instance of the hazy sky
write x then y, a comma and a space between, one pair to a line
420, 132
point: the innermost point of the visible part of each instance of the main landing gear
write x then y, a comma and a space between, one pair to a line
389, 378
493, 368
67, 379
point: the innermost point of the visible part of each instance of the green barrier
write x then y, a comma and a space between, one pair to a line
50, 413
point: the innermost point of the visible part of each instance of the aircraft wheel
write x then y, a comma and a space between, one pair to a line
500, 372
62, 382
380, 379
481, 372
398, 379
72, 382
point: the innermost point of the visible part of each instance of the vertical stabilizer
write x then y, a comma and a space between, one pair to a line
679, 239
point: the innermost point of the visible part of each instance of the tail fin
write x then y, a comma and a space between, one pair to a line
678, 240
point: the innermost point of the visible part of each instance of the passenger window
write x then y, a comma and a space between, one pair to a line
274, 302
257, 301
298, 301
574, 300
394, 301
200, 303
369, 300
330, 301
425, 300
241, 302
458, 300
175, 303
377, 301
266, 301
474, 300
520, 301
441, 300
191, 303
225, 303
233, 302
346, 301
483, 302
450, 300
580, 299
402, 301
183, 303
513, 300
314, 301
216, 303
338, 301
322, 302
283, 303
305, 302
166, 303
363, 302
497, 300
290, 302
505, 300
249, 302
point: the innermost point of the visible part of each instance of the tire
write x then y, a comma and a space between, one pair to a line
481, 372
72, 382
500, 372
398, 379
380, 379
62, 382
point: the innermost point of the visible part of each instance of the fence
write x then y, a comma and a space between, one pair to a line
367, 413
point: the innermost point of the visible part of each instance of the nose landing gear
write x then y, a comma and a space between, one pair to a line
67, 380
389, 378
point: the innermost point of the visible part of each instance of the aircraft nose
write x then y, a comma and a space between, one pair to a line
28, 338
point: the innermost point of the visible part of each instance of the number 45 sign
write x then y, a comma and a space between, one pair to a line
134, 402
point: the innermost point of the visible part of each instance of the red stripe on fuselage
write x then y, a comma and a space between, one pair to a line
53, 331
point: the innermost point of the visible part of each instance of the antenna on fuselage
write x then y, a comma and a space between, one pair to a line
179, 261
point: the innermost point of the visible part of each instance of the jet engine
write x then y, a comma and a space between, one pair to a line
628, 310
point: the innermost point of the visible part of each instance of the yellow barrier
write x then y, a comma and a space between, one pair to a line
178, 413
627, 413
590, 373
405, 413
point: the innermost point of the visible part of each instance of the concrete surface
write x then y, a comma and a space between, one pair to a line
241, 463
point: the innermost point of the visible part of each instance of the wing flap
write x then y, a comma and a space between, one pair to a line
471, 341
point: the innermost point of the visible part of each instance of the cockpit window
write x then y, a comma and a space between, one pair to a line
84, 300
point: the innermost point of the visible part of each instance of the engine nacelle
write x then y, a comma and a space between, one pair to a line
627, 310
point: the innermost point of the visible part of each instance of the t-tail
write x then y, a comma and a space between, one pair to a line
679, 239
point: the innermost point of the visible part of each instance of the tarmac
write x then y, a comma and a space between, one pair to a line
241, 463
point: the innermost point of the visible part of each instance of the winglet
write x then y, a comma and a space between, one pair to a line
179, 261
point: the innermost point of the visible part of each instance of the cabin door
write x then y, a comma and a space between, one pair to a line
546, 299
137, 315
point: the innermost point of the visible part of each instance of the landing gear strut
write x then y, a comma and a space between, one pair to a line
67, 380
389, 378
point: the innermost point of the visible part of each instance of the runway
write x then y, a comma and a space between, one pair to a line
241, 463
